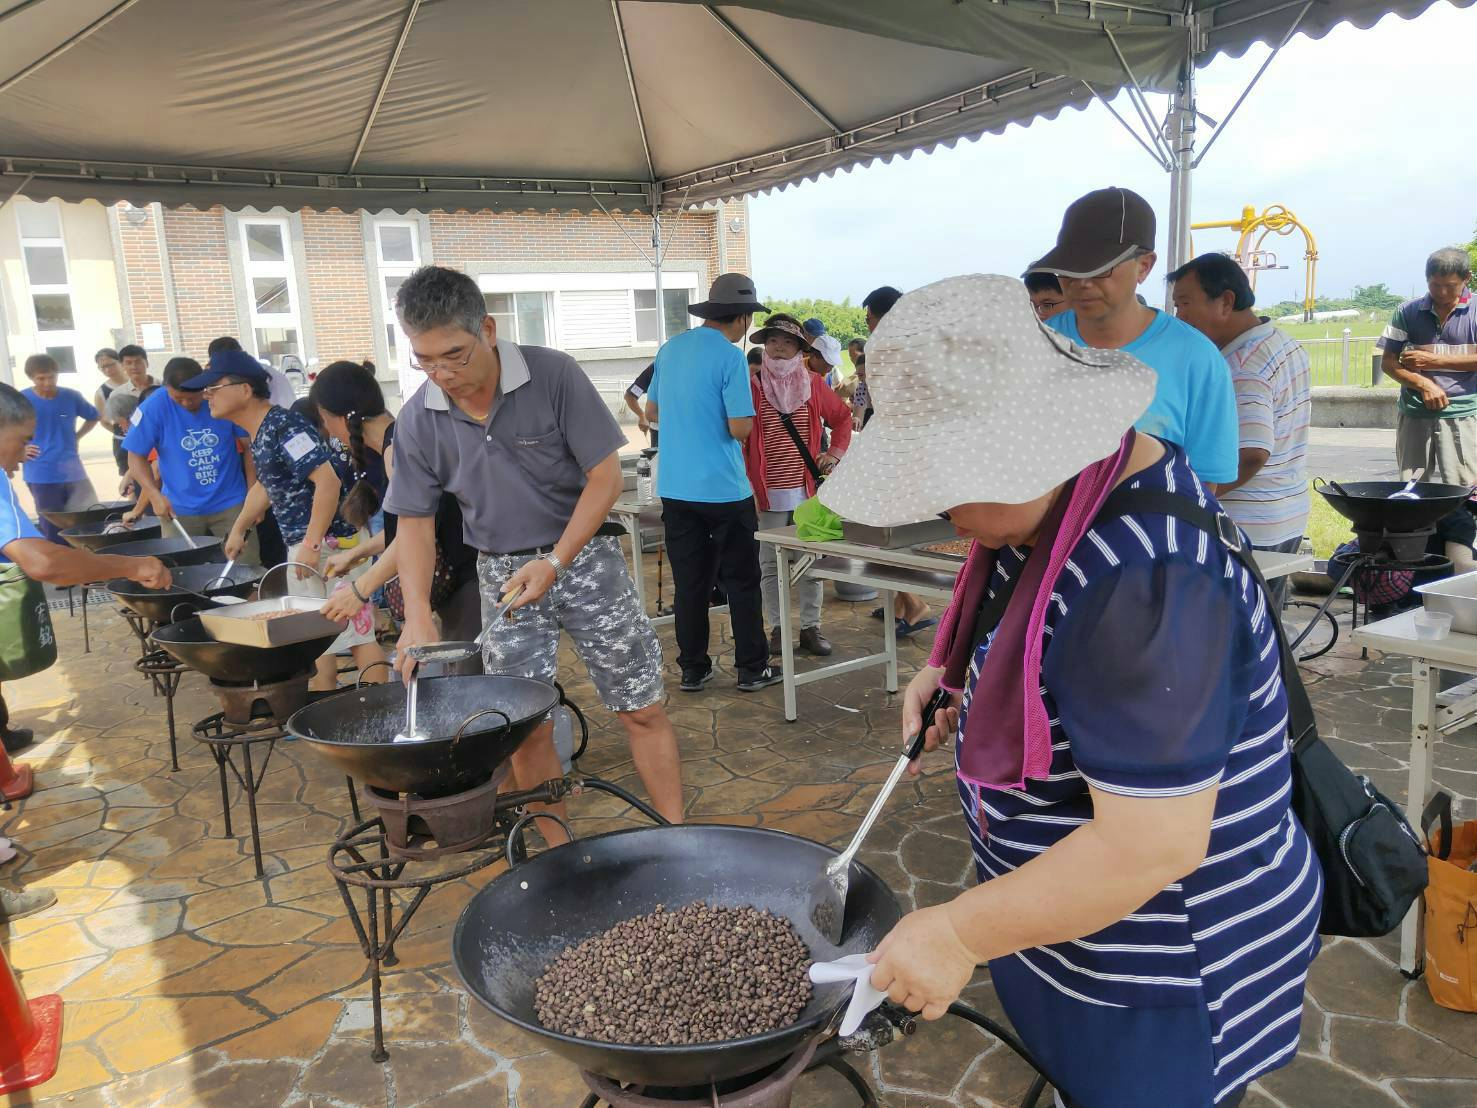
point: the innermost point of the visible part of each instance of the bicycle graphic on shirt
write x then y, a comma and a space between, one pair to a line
199, 440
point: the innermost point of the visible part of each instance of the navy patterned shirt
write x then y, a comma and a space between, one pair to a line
286, 451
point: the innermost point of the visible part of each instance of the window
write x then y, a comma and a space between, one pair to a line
271, 287
47, 277
521, 317
675, 302
397, 255
610, 311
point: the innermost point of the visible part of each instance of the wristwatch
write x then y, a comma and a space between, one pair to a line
560, 569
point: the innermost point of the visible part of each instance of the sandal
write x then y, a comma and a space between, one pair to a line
906, 630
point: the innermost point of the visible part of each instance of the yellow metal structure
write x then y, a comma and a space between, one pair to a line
1254, 229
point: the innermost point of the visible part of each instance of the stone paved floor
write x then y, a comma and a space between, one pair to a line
189, 981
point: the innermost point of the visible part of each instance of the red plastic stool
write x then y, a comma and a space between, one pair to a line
30, 1034
16, 782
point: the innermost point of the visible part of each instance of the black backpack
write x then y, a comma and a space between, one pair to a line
1374, 866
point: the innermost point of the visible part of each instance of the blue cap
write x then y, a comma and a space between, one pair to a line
229, 363
814, 326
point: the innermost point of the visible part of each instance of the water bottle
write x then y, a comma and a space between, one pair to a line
646, 476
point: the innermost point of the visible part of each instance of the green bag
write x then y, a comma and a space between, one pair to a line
27, 641
814, 522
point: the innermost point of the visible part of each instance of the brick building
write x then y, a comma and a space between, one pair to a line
318, 286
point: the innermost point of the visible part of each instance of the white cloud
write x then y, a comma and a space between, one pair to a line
1363, 134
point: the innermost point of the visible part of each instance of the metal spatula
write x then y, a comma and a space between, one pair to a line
827, 895
431, 653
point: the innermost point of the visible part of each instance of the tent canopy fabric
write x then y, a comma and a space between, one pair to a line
468, 104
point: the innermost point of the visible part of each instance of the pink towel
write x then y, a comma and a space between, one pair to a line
1007, 736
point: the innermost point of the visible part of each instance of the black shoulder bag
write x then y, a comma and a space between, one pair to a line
794, 432
1374, 866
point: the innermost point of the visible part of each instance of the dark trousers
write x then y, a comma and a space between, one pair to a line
710, 544
270, 542
61, 496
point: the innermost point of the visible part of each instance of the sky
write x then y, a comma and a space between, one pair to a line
1365, 135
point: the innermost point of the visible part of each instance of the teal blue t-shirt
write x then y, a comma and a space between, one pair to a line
14, 523
1194, 403
701, 381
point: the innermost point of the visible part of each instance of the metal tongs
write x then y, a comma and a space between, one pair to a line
827, 895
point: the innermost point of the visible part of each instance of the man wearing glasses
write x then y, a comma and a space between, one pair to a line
520, 436
296, 479
1103, 252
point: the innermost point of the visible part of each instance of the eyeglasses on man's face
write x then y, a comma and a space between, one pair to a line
445, 365
1045, 308
211, 390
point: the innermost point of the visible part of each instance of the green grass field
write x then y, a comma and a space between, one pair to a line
1326, 528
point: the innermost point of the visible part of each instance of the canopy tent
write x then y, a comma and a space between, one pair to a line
652, 104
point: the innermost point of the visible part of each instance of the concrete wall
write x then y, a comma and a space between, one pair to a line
1339, 406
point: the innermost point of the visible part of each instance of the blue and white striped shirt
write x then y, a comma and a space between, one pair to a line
1161, 677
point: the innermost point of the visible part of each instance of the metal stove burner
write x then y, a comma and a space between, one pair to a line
1401, 546
246, 704
454, 823
773, 1087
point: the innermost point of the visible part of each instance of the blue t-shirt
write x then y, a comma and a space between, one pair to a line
199, 464
56, 435
701, 381
286, 451
1194, 404
14, 523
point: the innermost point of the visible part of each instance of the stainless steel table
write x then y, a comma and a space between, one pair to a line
888, 571
891, 571
641, 518
1432, 715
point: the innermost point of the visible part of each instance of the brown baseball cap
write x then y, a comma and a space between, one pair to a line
1099, 231
730, 294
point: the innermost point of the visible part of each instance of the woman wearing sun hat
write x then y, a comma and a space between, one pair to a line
782, 481
1148, 905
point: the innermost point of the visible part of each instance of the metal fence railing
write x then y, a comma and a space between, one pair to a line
1343, 361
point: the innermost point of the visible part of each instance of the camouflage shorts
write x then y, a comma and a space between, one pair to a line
596, 603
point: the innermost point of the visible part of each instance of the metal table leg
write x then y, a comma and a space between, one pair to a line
787, 634
1423, 732
889, 638
632, 524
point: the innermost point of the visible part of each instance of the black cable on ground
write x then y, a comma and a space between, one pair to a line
634, 801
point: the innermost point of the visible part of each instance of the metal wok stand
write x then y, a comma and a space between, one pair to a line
361, 859
884, 1025
224, 739
165, 673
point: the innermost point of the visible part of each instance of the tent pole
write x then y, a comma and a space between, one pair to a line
656, 267
1181, 127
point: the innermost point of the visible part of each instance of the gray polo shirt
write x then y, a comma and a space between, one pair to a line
519, 476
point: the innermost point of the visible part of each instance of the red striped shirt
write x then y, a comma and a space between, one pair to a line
783, 468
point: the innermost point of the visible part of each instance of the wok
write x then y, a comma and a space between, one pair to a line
1365, 504
353, 731
95, 513
172, 552
160, 605
188, 642
96, 536
524, 918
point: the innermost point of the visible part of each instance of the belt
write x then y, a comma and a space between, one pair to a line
607, 528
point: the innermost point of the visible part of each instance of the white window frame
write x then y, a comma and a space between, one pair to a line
556, 283
48, 339
513, 334
252, 269
661, 313
399, 354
